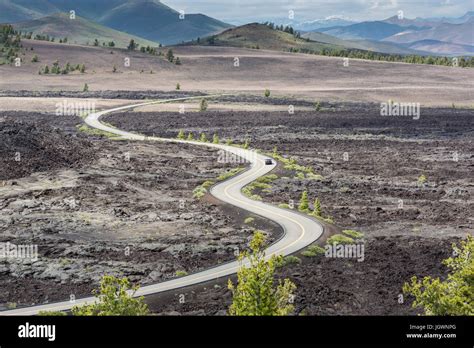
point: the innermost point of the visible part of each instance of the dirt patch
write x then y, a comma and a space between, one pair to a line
211, 69
27, 148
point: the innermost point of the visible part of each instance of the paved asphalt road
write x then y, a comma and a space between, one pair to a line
299, 230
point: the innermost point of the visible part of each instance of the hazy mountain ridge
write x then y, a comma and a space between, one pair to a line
453, 36
79, 30
149, 19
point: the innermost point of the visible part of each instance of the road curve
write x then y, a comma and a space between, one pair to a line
299, 230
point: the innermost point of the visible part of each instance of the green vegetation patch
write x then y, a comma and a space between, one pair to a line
339, 239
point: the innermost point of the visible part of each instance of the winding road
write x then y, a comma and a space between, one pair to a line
299, 230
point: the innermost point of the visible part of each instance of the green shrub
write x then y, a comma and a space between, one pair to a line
229, 174
353, 234
207, 184
267, 178
249, 220
422, 179
339, 239
313, 251
199, 192
315, 177
115, 298
289, 260
203, 105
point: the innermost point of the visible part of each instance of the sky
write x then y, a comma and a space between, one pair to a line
245, 11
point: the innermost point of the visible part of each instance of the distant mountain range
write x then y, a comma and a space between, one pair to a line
152, 21
316, 24
368, 45
149, 19
377, 30
453, 36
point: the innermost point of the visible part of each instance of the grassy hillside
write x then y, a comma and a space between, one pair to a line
79, 30
156, 21
261, 36
148, 19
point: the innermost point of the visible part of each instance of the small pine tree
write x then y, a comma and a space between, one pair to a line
114, 70
203, 138
255, 293
181, 135
132, 46
317, 106
304, 202
190, 136
422, 179
46, 69
178, 61
275, 152
267, 93
178, 86
317, 208
170, 56
86, 88
215, 139
246, 144
82, 69
203, 105
35, 59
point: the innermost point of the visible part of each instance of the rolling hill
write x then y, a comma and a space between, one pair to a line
79, 30
149, 19
156, 21
255, 35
